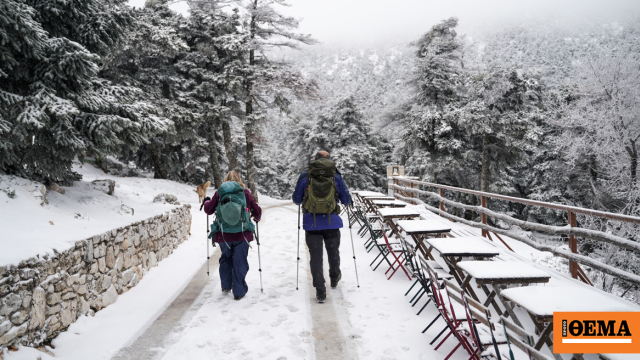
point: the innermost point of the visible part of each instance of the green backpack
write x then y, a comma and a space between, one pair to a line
320, 196
232, 215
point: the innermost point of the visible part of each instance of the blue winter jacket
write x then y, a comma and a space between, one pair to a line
322, 220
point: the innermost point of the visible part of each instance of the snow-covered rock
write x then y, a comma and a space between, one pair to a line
166, 199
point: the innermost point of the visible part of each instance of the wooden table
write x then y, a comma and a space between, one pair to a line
376, 197
368, 202
466, 246
419, 230
453, 250
362, 194
541, 302
495, 273
389, 203
389, 214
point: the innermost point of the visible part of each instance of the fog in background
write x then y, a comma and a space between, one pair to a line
372, 21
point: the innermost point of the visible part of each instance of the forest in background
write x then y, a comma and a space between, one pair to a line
543, 111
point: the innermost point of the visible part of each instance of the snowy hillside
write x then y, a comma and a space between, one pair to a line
31, 227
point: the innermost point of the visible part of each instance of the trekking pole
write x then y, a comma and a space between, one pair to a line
353, 249
207, 240
298, 262
259, 261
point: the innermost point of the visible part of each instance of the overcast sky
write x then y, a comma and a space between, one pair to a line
357, 21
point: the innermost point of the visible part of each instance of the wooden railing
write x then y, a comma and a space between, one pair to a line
406, 189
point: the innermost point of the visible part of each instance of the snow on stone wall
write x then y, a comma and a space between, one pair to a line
42, 296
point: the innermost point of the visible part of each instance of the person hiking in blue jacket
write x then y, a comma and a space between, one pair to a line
318, 190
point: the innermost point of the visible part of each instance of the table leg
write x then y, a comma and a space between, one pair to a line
393, 226
370, 207
457, 274
507, 307
489, 298
419, 240
544, 338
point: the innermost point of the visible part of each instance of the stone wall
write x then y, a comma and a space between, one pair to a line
42, 296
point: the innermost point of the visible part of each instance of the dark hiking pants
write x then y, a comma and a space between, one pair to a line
234, 267
331, 239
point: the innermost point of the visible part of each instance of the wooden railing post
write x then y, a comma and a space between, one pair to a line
441, 203
483, 203
573, 245
411, 194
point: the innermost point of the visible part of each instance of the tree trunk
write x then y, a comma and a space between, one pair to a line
228, 147
155, 152
251, 171
249, 129
213, 158
633, 154
485, 162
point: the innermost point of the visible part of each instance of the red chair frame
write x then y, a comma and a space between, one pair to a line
399, 260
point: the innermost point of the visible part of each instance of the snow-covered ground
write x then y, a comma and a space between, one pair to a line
30, 229
374, 321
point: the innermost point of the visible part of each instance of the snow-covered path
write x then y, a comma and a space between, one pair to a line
370, 322
176, 312
269, 325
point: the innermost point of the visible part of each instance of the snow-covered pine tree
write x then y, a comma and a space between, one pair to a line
57, 105
264, 80
500, 120
191, 70
601, 132
23, 44
360, 155
439, 60
213, 70
438, 83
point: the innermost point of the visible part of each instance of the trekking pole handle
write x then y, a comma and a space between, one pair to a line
203, 201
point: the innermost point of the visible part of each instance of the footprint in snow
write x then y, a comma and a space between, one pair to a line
292, 308
278, 322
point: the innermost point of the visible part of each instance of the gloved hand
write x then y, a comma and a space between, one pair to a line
204, 201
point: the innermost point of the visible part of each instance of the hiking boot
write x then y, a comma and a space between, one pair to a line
238, 297
321, 296
335, 281
226, 291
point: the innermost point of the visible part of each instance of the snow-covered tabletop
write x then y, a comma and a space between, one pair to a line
368, 193
397, 212
542, 301
464, 246
497, 272
423, 226
392, 203
377, 197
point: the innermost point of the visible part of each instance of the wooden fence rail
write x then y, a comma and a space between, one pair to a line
408, 194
